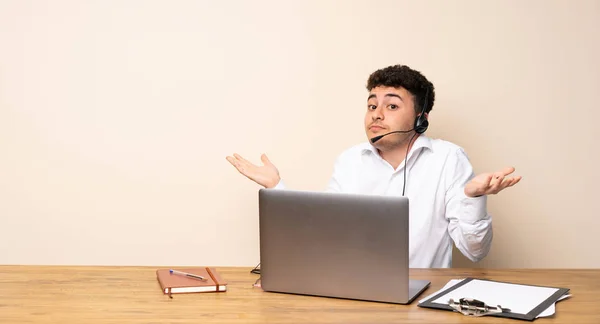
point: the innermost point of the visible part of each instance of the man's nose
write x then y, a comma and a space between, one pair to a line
377, 114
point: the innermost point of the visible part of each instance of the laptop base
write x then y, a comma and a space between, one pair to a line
415, 288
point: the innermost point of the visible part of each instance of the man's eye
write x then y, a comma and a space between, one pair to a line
372, 107
393, 107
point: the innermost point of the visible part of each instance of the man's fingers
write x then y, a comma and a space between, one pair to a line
496, 183
506, 182
241, 159
236, 163
492, 183
232, 160
517, 179
496, 178
501, 181
265, 159
506, 171
243, 166
487, 181
513, 181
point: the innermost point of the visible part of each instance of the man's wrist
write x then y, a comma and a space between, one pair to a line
471, 195
274, 184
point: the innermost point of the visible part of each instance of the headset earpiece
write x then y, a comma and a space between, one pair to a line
421, 122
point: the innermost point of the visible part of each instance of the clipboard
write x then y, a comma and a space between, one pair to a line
520, 301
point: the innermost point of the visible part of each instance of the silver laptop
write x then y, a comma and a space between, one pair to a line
336, 245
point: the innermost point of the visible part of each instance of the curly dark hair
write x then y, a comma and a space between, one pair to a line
402, 76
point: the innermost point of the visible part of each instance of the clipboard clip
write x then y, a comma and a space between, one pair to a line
474, 307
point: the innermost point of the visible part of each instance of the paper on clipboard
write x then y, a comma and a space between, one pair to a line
493, 294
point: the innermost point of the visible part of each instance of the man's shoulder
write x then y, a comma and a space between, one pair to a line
358, 149
445, 147
353, 152
437, 146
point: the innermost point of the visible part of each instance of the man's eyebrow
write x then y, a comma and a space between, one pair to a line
387, 95
394, 95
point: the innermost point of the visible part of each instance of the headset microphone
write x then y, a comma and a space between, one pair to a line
377, 138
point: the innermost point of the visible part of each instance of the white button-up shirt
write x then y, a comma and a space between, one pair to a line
439, 210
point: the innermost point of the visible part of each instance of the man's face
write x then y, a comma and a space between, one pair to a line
389, 109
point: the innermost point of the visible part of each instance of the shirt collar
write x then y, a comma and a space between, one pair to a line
421, 142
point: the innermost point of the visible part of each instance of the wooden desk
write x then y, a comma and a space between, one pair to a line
59, 294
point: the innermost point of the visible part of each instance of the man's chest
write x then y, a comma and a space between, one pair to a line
423, 177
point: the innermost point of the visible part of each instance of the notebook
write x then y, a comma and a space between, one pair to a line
172, 283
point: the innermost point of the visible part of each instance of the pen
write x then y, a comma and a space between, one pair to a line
191, 275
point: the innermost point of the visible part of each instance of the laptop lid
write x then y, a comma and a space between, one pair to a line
335, 245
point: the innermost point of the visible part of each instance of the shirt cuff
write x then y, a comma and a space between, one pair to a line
280, 185
472, 209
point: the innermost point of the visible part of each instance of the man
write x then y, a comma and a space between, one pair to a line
447, 201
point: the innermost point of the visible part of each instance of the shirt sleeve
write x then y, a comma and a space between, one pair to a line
280, 185
470, 226
335, 184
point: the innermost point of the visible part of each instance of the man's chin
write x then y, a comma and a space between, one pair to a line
387, 144
371, 135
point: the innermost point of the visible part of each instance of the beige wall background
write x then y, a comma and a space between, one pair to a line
116, 117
